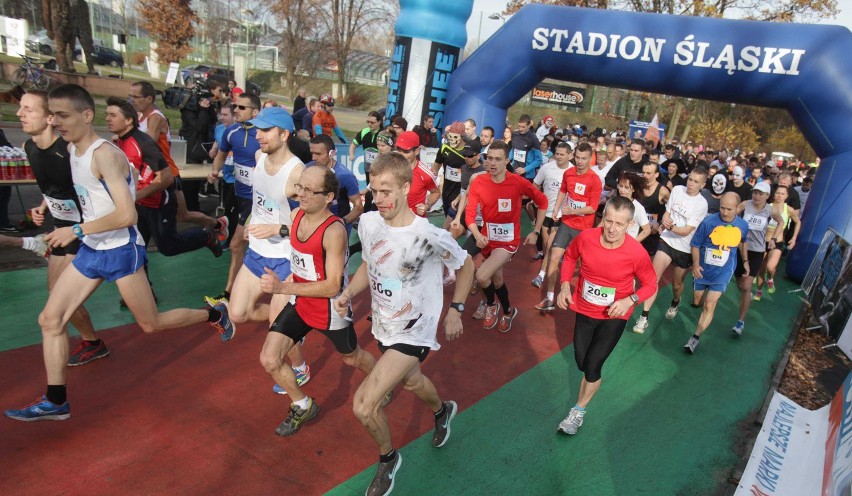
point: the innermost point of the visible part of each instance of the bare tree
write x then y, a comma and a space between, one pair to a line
57, 20
299, 36
344, 20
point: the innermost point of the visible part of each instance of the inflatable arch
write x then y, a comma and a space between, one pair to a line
805, 69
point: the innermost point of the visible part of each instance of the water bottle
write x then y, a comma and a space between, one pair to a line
430, 35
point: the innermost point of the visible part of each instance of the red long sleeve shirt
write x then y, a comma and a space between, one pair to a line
607, 275
501, 206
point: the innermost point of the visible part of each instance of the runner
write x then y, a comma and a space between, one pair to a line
757, 213
458, 226
319, 271
156, 205
323, 155
499, 195
549, 181
366, 139
402, 259
685, 210
582, 188
156, 125
525, 149
630, 186
268, 230
323, 121
241, 141
654, 199
423, 181
715, 245
782, 239
450, 158
111, 250
48, 156
610, 262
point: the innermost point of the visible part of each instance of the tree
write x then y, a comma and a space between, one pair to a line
170, 23
345, 19
299, 35
83, 30
56, 15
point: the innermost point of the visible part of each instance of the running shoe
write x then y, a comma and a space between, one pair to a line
301, 379
215, 300
442, 424
41, 409
222, 232
672, 312
758, 295
538, 256
545, 305
505, 322
641, 325
213, 242
572, 422
490, 319
738, 328
450, 278
297, 417
537, 281
770, 286
691, 345
86, 352
226, 328
479, 314
474, 287
385, 477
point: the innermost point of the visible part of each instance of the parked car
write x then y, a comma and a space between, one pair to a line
40, 43
102, 56
203, 72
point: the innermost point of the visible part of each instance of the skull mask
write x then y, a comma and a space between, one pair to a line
719, 184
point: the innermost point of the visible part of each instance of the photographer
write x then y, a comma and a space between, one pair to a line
198, 118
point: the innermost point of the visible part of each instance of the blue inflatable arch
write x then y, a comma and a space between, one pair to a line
806, 69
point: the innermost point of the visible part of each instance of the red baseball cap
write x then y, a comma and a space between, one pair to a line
408, 140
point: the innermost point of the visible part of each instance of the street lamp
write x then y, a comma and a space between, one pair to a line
728, 125
495, 16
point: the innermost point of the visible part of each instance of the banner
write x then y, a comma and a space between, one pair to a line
837, 473
566, 96
828, 285
639, 129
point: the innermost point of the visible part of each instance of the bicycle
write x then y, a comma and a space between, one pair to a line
31, 74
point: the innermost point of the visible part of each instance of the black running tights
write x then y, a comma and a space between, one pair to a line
594, 340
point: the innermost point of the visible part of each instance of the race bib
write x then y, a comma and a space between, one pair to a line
501, 232
85, 201
265, 210
576, 204
387, 292
504, 205
580, 188
302, 265
756, 222
370, 156
242, 174
519, 156
598, 295
717, 258
452, 174
63, 209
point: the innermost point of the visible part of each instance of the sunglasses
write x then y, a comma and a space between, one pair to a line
243, 107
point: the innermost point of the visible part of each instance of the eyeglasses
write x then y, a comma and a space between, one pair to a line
243, 107
301, 190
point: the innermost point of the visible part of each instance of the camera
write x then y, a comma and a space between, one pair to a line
187, 98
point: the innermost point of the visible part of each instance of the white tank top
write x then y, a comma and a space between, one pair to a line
95, 200
143, 124
270, 206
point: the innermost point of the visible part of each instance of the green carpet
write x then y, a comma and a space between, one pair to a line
663, 423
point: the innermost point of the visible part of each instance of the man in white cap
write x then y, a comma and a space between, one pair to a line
737, 184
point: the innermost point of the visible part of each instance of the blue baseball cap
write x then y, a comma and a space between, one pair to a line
273, 117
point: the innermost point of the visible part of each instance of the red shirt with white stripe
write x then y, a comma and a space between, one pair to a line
607, 275
422, 182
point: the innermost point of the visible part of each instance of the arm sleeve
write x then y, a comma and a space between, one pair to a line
340, 135
597, 190
539, 176
152, 155
349, 183
451, 253
225, 143
699, 216
699, 235
611, 179
533, 161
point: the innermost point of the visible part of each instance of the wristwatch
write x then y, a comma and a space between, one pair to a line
634, 298
284, 231
77, 230
458, 306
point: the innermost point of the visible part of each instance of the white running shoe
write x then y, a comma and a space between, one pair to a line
641, 325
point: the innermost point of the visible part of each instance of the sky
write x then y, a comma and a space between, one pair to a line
483, 8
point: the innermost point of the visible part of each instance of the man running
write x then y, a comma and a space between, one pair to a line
549, 180
499, 195
654, 199
685, 210
48, 156
318, 261
323, 121
240, 140
403, 256
423, 191
714, 246
451, 159
323, 155
610, 262
111, 250
582, 189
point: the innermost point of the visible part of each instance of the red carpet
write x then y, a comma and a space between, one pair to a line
182, 413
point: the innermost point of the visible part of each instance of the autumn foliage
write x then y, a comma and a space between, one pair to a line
171, 25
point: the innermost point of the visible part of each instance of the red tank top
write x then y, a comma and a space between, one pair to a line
307, 263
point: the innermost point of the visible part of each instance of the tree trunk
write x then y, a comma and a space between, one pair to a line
83, 31
57, 17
